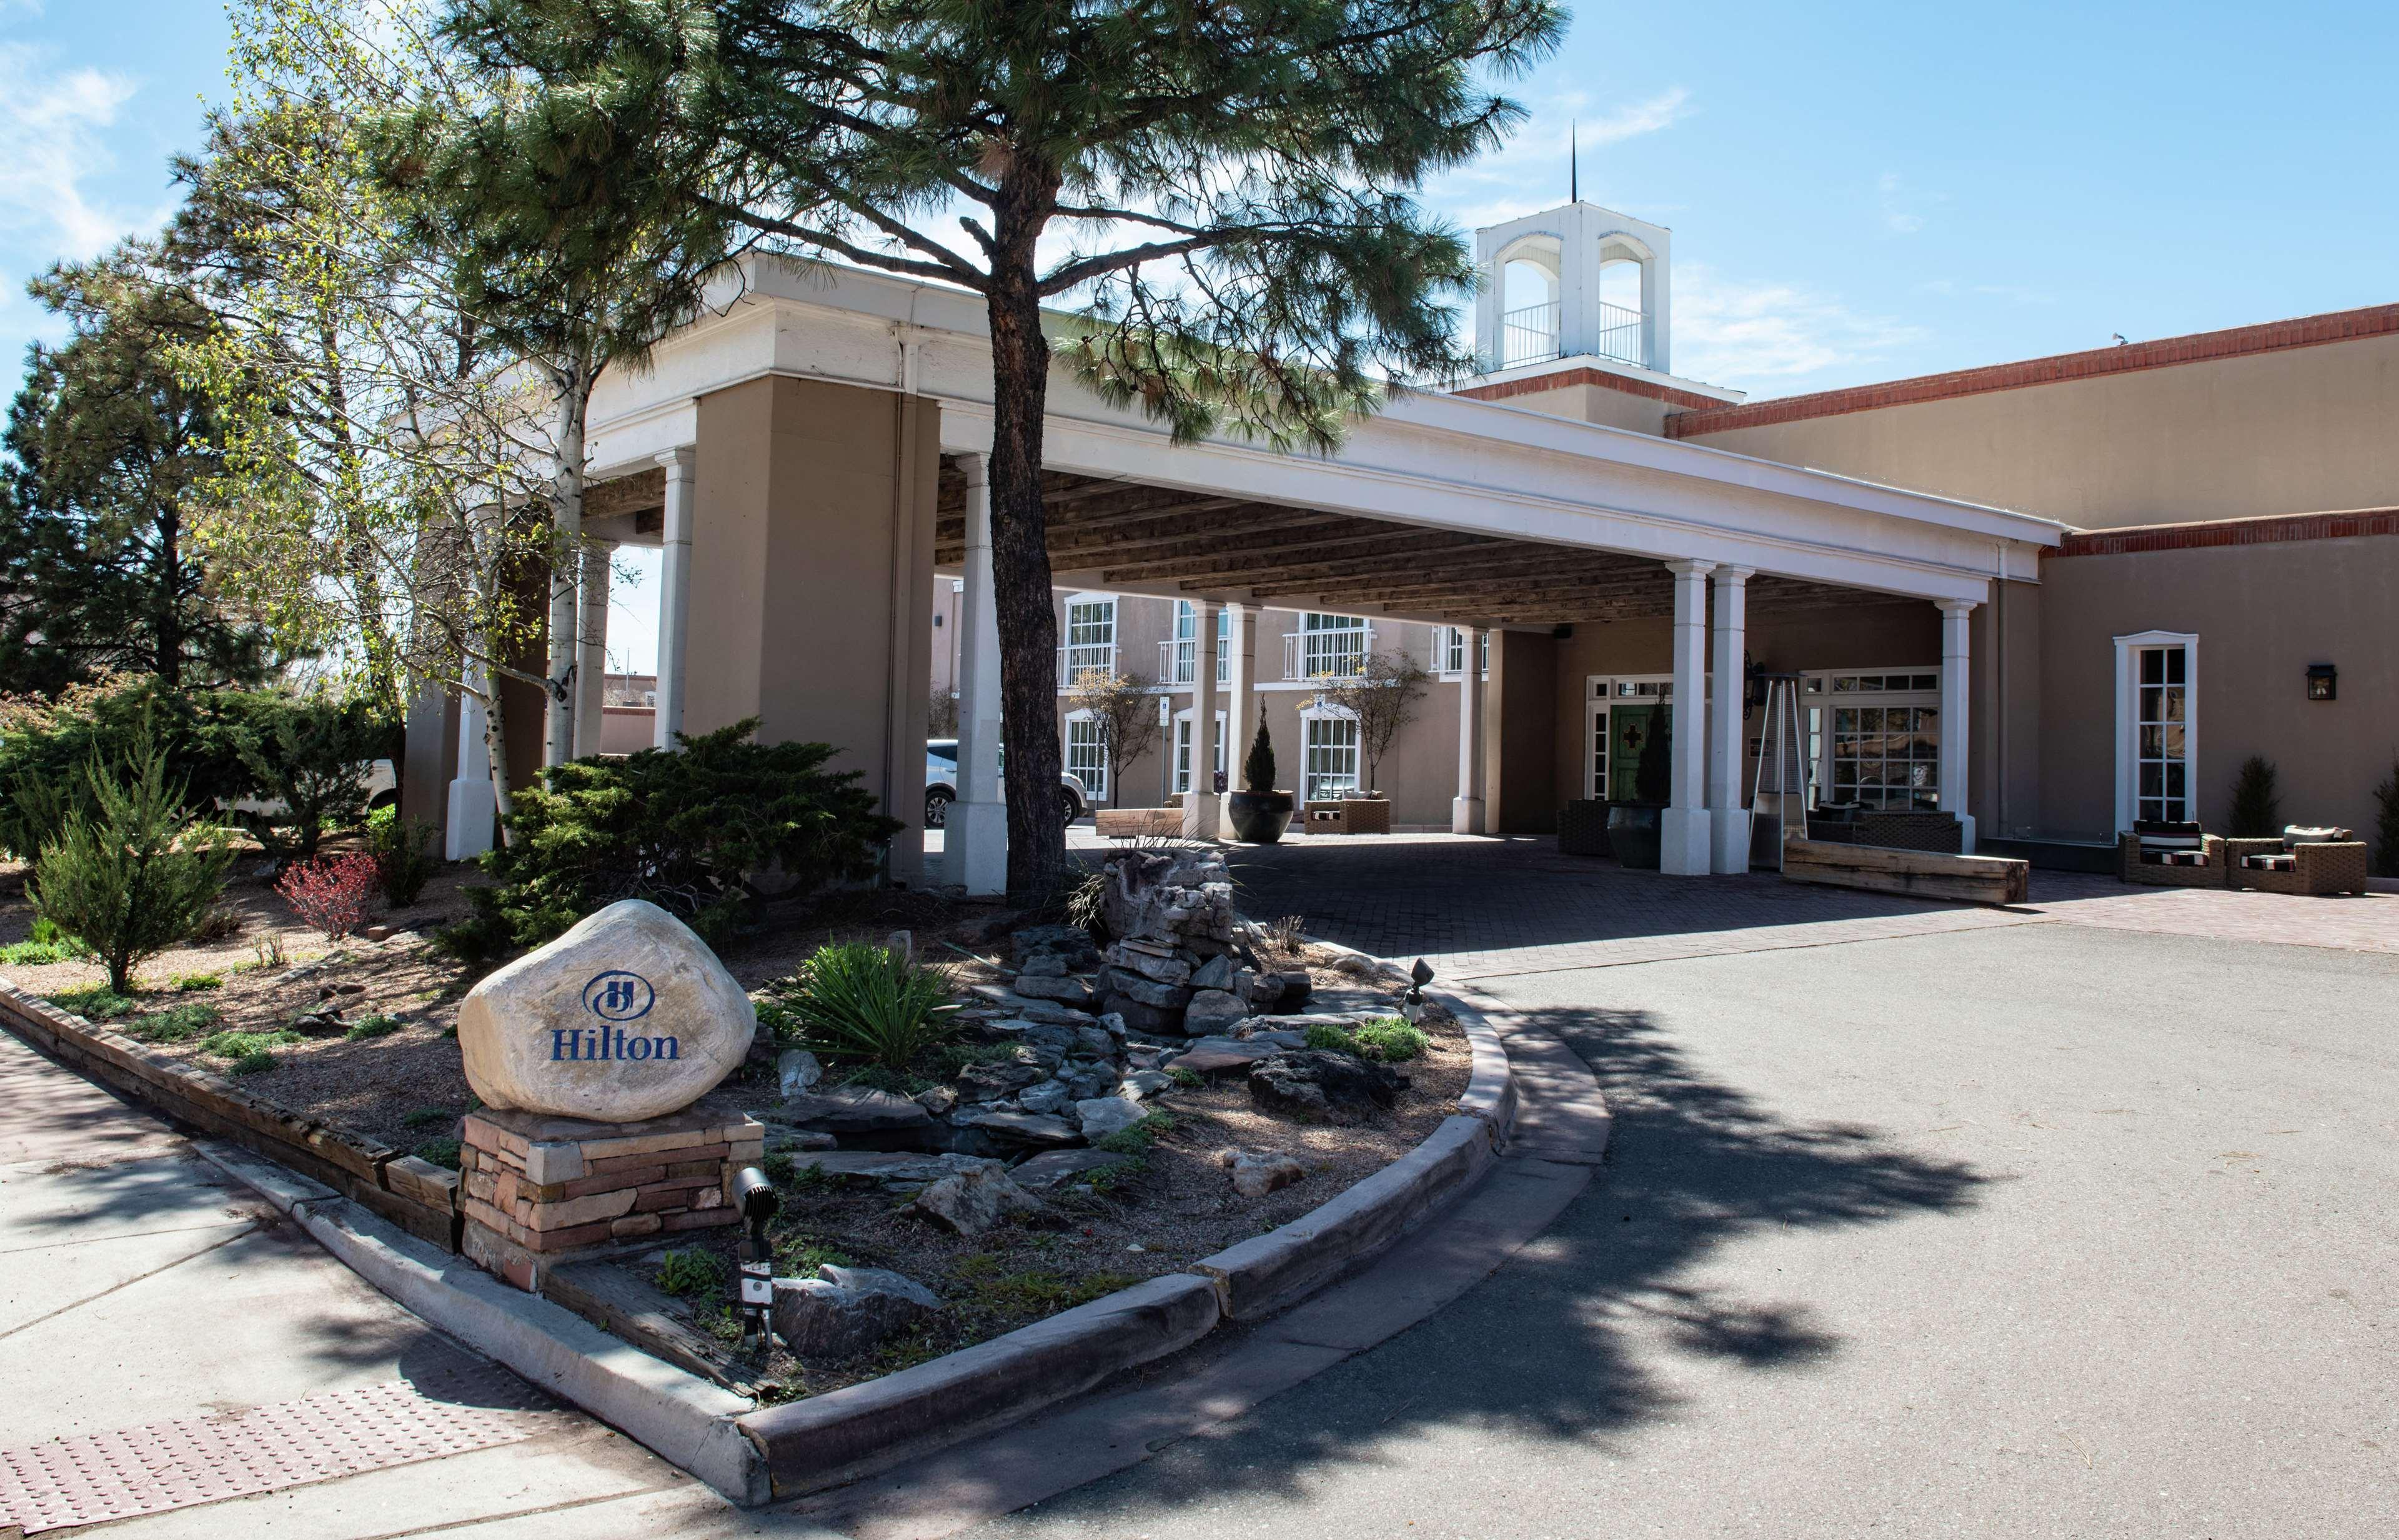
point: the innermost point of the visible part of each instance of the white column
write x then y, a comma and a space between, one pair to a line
592, 634
1203, 811
1728, 818
1466, 808
674, 594
471, 811
1240, 694
1684, 848
975, 841
1957, 680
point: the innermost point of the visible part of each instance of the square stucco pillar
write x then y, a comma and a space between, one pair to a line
467, 819
975, 844
812, 584
1728, 818
1686, 848
592, 644
1466, 809
1240, 695
1203, 811
1956, 711
674, 594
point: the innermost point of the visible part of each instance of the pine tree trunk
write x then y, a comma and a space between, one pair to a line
1020, 558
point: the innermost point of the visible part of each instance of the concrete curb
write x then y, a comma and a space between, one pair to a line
686, 1420
754, 1455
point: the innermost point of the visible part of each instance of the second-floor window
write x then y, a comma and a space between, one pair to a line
1182, 666
1090, 639
1331, 646
1452, 652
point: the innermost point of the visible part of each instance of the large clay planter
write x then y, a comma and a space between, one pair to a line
1259, 818
1635, 833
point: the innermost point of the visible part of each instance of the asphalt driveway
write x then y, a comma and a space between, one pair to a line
2036, 1229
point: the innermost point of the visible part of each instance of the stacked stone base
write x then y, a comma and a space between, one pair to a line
537, 1191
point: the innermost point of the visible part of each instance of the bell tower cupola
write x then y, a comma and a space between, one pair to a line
1578, 281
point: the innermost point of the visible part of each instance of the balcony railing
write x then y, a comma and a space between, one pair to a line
1174, 663
1528, 336
1308, 655
1531, 335
1080, 658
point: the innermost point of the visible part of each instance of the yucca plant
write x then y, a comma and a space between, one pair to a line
860, 1002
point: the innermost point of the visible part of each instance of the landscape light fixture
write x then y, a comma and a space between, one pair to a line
2323, 682
758, 1201
1412, 1006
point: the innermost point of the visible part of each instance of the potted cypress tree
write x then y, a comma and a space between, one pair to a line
1635, 829
1260, 813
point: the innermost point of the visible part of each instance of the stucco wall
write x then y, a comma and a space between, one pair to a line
2299, 430
1590, 403
811, 576
2262, 614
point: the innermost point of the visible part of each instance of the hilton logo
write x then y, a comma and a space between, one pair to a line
614, 997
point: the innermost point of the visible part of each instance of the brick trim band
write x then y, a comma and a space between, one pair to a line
1689, 400
2199, 347
2272, 529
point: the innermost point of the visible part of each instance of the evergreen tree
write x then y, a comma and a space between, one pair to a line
2257, 805
1258, 770
1226, 193
106, 447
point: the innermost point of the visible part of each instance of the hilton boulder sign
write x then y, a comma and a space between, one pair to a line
628, 1016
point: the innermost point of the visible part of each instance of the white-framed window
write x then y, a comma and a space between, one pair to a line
2157, 727
1453, 653
1620, 714
1330, 762
1181, 664
1087, 754
1091, 638
1183, 720
1328, 646
1873, 737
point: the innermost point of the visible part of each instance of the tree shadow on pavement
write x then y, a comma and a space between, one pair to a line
1545, 1349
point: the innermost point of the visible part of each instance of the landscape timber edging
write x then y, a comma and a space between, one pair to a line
828, 1440
418, 1197
845, 1435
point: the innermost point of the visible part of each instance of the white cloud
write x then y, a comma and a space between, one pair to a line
1640, 117
51, 123
1897, 217
1730, 332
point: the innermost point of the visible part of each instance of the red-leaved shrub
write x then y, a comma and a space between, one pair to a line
330, 892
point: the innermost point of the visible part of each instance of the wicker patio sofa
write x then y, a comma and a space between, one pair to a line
2171, 855
2296, 864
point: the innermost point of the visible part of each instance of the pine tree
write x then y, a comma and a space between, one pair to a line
2257, 810
1227, 194
133, 875
2386, 832
1258, 770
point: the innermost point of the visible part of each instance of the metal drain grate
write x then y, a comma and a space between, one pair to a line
93, 1477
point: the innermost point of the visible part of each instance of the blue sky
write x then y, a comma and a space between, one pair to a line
1858, 192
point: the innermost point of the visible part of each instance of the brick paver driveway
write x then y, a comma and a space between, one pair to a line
1918, 1219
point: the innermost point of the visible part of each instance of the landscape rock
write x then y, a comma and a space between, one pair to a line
1165, 970
1255, 1176
1213, 1011
1314, 1082
1103, 1115
1148, 992
628, 1016
797, 1070
1297, 988
996, 1082
1046, 1171
969, 1202
1072, 942
1090, 1080
1218, 1056
1065, 991
782, 1139
1030, 1010
1260, 991
1018, 1129
1051, 1095
1044, 965
1141, 1085
846, 1311
1216, 973
893, 1172
1144, 1056
1141, 1017
849, 1110
937, 1101
1094, 1040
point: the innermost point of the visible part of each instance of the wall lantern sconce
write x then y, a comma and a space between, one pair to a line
2323, 682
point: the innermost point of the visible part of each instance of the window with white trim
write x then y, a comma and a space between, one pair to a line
2160, 735
1184, 670
1332, 757
1086, 755
1090, 639
1332, 646
1452, 652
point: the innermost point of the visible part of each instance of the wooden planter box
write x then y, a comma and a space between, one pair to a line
1920, 875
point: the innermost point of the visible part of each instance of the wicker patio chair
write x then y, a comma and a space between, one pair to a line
2138, 858
2305, 867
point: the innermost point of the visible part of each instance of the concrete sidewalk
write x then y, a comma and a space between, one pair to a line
267, 1388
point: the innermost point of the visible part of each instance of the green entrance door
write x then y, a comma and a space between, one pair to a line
1630, 729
